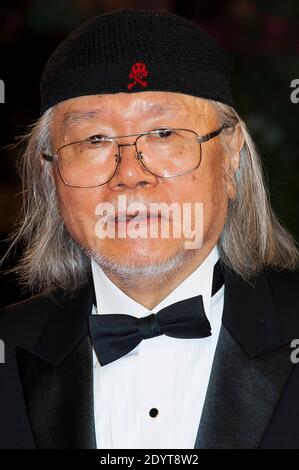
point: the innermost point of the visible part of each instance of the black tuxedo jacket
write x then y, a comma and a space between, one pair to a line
46, 384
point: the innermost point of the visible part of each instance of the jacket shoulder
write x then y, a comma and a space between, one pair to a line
25, 319
283, 277
284, 287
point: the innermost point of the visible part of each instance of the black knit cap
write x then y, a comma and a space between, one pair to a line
132, 50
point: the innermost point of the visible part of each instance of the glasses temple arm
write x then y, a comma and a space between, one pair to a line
211, 135
48, 158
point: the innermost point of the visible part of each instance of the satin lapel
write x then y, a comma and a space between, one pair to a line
57, 377
242, 395
250, 369
59, 398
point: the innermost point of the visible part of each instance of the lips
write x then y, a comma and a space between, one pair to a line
137, 217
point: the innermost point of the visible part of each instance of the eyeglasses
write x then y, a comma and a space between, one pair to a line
164, 152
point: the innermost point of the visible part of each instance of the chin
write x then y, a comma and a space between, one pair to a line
150, 259
143, 251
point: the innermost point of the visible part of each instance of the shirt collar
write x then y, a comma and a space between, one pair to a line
111, 299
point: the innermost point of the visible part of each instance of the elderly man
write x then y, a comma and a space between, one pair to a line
166, 303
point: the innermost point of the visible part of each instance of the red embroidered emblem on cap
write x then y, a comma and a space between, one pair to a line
138, 73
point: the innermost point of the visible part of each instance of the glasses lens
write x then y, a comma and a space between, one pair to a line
170, 152
89, 163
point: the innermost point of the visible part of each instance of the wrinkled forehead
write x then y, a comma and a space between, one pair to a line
141, 105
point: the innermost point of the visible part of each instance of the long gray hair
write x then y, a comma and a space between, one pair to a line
252, 238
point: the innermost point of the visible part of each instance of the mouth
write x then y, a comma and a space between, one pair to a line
138, 217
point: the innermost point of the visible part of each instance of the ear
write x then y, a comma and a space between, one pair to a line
235, 141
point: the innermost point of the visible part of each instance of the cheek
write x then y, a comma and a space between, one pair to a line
211, 177
206, 185
77, 208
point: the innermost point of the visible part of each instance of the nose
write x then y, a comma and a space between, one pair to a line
130, 173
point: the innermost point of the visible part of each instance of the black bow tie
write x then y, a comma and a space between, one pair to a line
114, 335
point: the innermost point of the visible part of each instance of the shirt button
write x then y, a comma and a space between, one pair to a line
153, 412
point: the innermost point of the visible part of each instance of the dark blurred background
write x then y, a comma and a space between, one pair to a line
260, 38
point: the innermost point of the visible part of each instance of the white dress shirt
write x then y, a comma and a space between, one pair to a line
164, 375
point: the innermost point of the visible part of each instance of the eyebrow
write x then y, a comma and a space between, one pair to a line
74, 118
